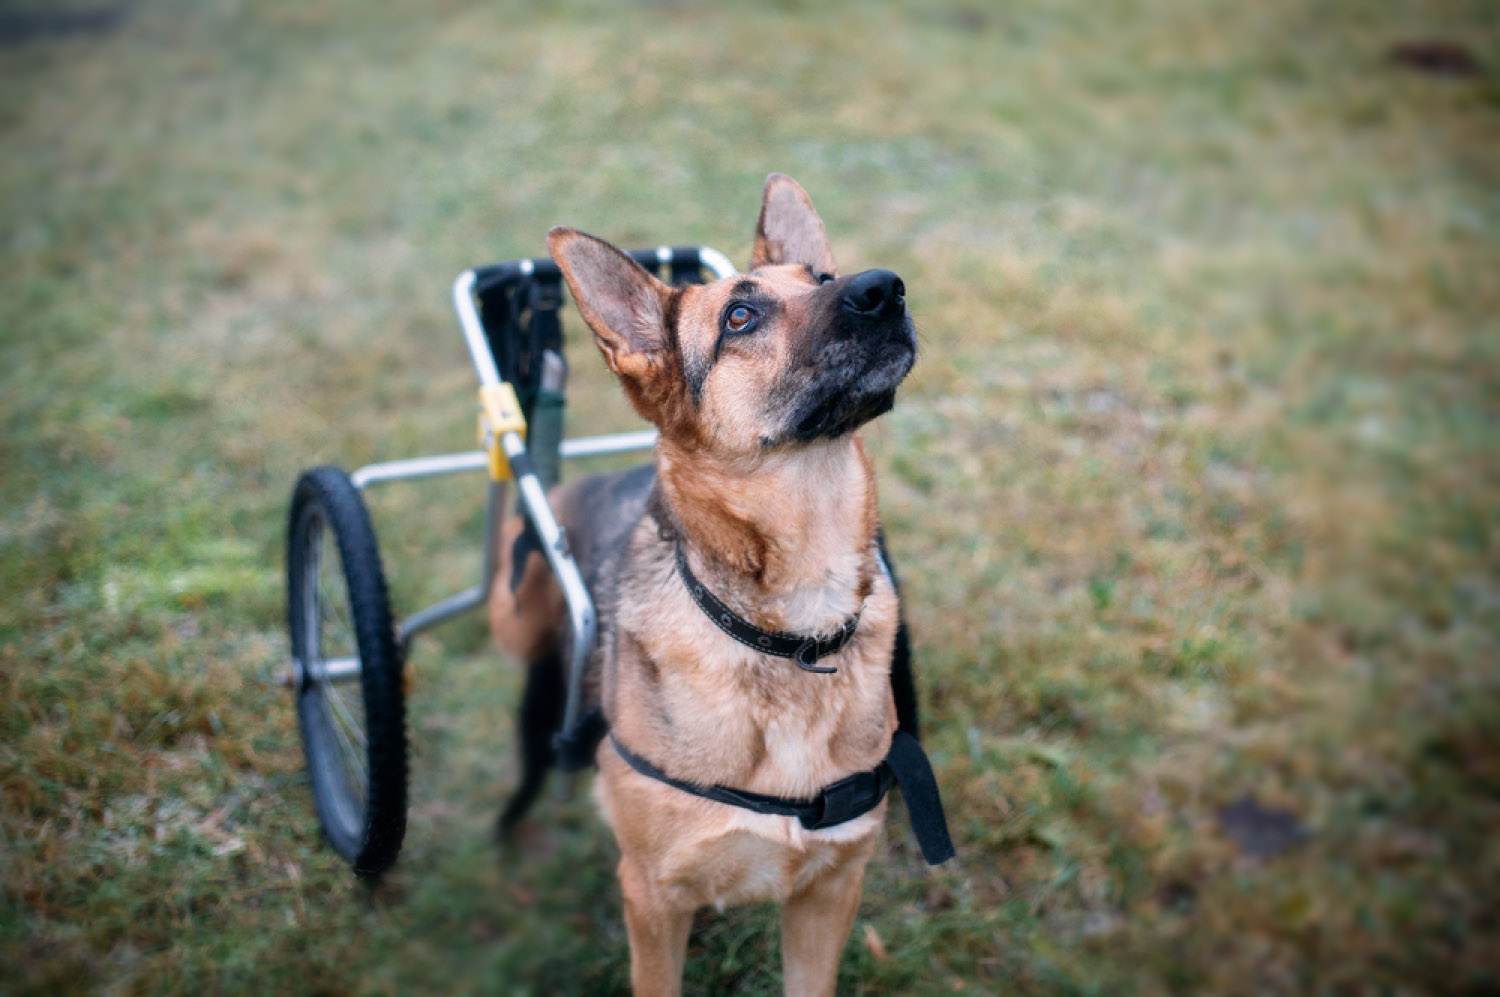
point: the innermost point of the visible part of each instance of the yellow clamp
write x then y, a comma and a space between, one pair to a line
499, 413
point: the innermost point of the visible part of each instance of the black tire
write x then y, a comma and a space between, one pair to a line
338, 612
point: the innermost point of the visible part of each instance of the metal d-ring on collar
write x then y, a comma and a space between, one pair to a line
804, 650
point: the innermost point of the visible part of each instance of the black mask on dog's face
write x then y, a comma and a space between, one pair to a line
860, 349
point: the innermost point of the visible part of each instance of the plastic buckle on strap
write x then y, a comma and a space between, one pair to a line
844, 800
499, 413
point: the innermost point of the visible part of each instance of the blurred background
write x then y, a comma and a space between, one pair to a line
1193, 489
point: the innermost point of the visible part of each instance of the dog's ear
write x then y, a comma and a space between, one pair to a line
621, 302
789, 230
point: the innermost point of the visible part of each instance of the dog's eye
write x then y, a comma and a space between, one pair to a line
740, 318
826, 278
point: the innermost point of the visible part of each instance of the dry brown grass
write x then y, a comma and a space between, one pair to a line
1193, 489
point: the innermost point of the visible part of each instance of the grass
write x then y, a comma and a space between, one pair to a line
1194, 488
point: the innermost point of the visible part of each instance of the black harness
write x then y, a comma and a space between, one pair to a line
842, 801
905, 764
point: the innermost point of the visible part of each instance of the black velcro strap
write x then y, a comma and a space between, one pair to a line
903, 684
543, 332
842, 801
575, 747
850, 797
920, 790
520, 464
804, 650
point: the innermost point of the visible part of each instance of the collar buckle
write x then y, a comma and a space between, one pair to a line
805, 651
807, 657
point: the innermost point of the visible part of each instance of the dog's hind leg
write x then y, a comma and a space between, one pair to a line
526, 612
539, 717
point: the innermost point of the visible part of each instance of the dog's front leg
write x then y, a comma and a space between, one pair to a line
815, 924
658, 935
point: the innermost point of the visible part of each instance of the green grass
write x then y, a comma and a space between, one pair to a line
1194, 487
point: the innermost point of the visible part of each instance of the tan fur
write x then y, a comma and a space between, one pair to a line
524, 622
786, 537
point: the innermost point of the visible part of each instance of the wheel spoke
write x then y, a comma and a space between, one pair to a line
329, 629
342, 712
353, 757
313, 591
336, 612
331, 608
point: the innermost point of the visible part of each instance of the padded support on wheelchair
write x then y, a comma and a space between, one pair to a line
520, 319
519, 304
686, 268
543, 332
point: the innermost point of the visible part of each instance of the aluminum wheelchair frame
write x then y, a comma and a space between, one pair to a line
532, 495
358, 763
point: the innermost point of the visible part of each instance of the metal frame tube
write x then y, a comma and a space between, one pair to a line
494, 514
419, 467
477, 460
716, 261
598, 446
473, 329
533, 496
554, 544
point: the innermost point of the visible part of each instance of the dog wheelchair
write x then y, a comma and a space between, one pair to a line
348, 650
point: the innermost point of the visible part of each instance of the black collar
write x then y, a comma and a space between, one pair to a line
804, 650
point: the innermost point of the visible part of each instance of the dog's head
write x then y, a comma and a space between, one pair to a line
779, 357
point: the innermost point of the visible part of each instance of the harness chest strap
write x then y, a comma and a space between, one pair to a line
905, 765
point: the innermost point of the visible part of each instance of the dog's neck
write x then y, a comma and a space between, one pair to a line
787, 538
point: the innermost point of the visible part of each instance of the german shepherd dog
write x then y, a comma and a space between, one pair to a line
756, 526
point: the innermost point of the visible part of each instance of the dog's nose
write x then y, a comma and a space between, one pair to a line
876, 294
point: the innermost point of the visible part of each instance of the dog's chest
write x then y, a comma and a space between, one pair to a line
723, 713
755, 857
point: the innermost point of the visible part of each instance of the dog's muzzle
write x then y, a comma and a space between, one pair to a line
871, 348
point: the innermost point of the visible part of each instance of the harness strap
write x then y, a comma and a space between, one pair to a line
852, 796
924, 805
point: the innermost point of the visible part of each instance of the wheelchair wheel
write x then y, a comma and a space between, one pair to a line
347, 671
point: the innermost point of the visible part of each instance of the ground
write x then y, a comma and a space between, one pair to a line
1193, 489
